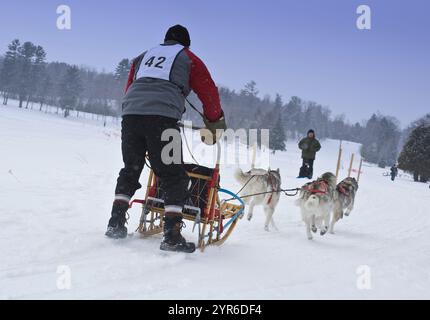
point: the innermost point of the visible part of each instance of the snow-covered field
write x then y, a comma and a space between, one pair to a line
57, 178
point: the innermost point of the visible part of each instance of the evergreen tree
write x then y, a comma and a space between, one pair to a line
250, 89
37, 73
70, 90
277, 136
293, 115
9, 70
425, 120
381, 138
121, 76
43, 89
25, 84
415, 156
278, 102
122, 70
277, 130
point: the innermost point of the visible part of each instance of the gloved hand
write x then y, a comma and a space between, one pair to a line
213, 131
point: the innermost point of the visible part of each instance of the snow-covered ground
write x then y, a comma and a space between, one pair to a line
57, 178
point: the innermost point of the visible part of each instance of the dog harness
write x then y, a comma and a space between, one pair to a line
271, 179
344, 189
320, 186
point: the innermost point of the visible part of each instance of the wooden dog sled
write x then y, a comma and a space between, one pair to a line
214, 219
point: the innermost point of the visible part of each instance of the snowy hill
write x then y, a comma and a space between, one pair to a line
57, 180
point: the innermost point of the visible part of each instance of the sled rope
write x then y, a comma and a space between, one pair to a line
192, 106
249, 180
286, 192
188, 146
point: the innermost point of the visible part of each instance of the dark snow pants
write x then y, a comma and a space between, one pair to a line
307, 169
141, 135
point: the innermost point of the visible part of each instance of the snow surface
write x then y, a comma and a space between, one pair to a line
57, 179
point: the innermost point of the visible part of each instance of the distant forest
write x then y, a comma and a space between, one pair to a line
25, 75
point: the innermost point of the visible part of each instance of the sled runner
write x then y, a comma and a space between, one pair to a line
214, 219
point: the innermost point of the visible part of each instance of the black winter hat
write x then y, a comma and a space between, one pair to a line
180, 34
311, 131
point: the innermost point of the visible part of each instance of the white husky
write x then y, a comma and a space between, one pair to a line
316, 203
260, 181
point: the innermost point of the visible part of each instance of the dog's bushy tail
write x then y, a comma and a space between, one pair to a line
240, 176
312, 202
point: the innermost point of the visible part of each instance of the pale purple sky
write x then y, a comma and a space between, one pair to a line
309, 48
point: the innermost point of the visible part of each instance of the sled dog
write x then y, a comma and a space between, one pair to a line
316, 201
260, 181
345, 198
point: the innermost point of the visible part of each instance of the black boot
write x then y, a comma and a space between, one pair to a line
173, 240
311, 173
116, 228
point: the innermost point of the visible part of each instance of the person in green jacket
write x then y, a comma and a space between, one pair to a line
309, 146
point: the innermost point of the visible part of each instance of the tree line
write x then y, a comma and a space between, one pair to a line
25, 75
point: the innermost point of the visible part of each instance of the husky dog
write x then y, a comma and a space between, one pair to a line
260, 181
316, 203
345, 198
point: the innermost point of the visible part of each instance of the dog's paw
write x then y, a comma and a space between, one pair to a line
314, 229
331, 232
324, 231
266, 228
310, 237
249, 218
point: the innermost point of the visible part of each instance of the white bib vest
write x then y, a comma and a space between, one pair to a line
158, 62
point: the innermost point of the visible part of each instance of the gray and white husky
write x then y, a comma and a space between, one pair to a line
260, 181
316, 201
345, 198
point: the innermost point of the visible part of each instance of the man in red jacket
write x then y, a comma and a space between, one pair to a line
159, 81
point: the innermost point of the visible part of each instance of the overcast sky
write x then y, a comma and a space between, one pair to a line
308, 48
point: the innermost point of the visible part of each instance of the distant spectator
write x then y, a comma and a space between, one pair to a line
309, 146
394, 172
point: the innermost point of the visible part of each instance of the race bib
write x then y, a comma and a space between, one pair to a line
158, 62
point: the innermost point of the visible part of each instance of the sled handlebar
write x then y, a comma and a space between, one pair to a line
218, 145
